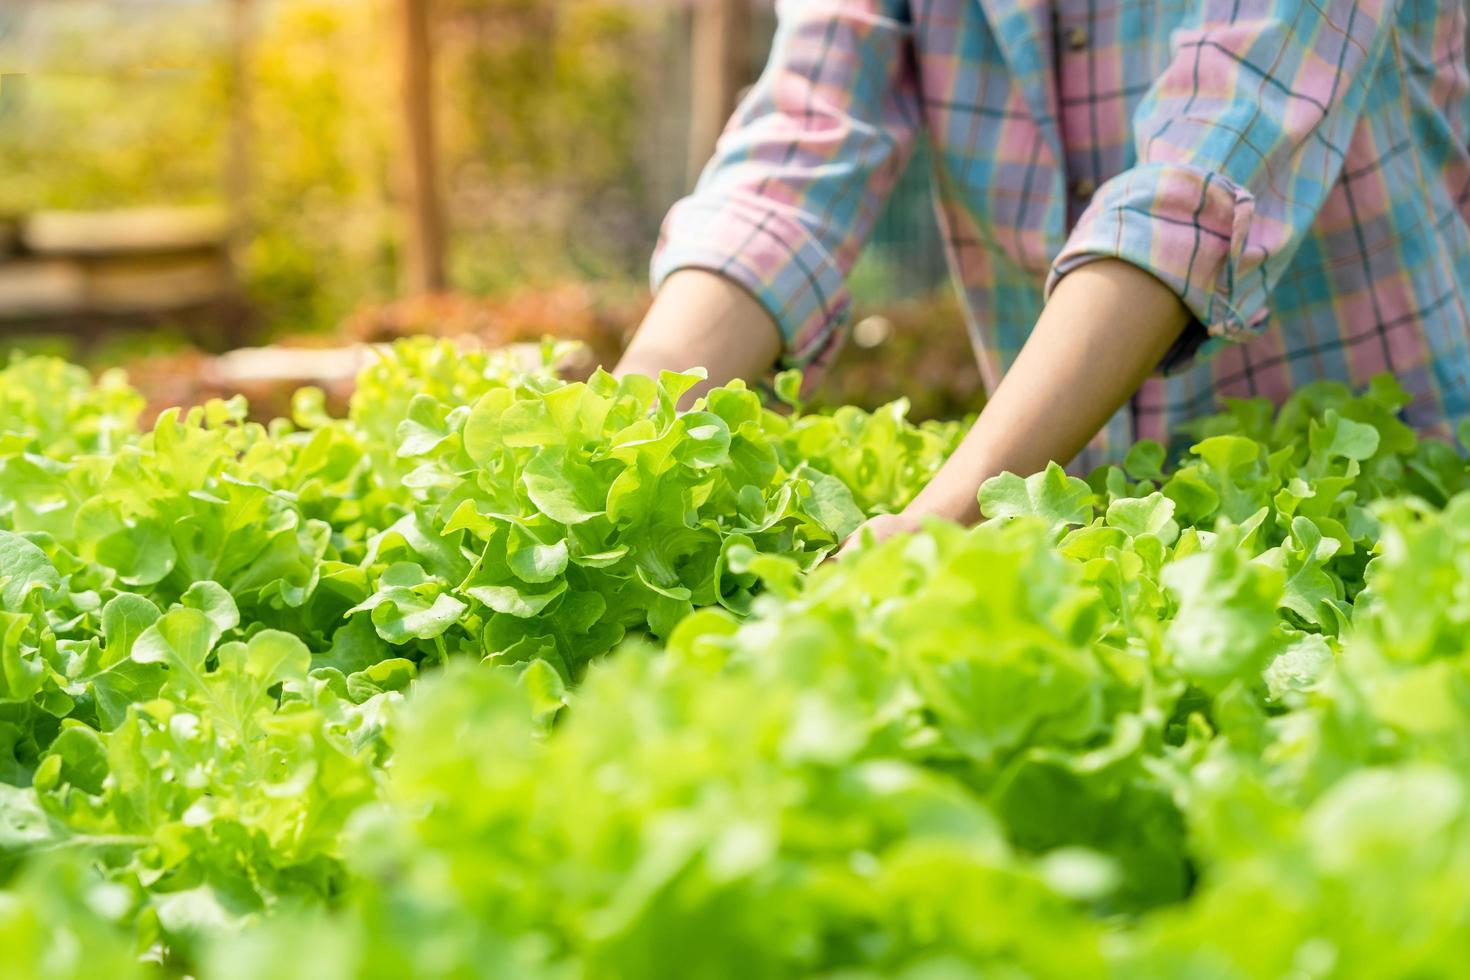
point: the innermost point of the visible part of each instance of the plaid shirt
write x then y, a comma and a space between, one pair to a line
1296, 171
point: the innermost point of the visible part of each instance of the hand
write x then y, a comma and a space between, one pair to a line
880, 528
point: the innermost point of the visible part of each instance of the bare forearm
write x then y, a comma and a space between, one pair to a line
1106, 327
701, 319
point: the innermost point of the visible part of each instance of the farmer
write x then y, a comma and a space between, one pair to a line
1150, 205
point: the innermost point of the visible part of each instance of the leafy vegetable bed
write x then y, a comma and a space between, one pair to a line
503, 677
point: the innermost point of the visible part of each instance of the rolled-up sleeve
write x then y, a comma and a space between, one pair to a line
1238, 142
803, 168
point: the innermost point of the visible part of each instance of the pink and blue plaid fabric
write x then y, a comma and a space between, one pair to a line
1296, 171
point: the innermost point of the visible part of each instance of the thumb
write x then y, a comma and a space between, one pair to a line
851, 542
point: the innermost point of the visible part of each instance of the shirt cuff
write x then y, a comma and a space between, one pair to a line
772, 256
1187, 227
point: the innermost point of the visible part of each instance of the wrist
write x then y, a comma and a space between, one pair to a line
953, 493
959, 504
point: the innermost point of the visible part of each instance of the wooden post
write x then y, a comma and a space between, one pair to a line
237, 163
423, 260
240, 138
719, 69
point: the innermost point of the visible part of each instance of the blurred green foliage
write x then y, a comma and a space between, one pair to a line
322, 99
539, 110
102, 105
548, 129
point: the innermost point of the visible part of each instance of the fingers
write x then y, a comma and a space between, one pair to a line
854, 540
873, 531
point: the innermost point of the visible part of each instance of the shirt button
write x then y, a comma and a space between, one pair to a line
1084, 188
1077, 38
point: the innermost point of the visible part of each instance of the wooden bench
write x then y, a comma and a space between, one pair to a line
86, 273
